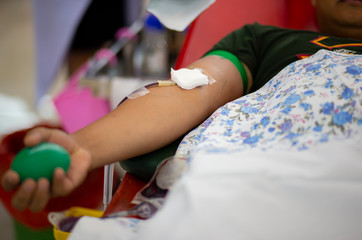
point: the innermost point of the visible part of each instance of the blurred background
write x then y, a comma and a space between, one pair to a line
17, 64
17, 77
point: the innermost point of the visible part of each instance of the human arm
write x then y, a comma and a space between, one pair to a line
136, 127
156, 119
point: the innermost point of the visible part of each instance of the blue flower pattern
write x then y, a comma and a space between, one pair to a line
311, 101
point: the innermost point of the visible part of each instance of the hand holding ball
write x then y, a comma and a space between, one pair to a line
40, 161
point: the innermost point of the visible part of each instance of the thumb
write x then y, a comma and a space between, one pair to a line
52, 135
36, 136
10, 180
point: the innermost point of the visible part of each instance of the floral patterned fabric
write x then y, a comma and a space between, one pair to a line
311, 101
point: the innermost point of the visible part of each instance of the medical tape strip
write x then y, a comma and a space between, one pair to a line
138, 93
210, 79
232, 58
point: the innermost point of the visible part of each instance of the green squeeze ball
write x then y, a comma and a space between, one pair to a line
40, 161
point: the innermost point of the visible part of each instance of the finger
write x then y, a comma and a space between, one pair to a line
10, 180
42, 134
41, 195
78, 170
64, 183
60, 185
36, 136
24, 195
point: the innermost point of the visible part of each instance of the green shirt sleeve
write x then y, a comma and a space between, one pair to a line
232, 58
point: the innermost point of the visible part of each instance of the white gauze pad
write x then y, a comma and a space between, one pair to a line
189, 78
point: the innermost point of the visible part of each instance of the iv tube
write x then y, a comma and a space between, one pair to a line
108, 184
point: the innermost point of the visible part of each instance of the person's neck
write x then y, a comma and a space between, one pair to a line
344, 32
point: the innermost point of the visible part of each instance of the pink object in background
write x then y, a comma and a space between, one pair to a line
77, 106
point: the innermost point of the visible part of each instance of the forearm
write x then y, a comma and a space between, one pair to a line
149, 122
140, 125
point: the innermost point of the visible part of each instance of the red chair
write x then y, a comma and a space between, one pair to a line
214, 23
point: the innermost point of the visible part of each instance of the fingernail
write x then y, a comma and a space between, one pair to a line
35, 135
29, 185
43, 184
27, 188
32, 137
10, 181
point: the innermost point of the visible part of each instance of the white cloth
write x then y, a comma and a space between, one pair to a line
177, 14
111, 229
314, 194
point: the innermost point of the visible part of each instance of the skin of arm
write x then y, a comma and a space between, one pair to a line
136, 127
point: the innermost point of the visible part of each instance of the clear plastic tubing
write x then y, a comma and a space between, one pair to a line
108, 184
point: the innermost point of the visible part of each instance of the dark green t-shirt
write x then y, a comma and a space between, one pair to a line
267, 49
